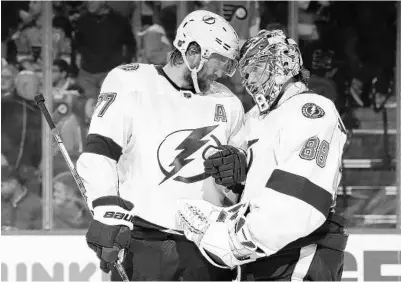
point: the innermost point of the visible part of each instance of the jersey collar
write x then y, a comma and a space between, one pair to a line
291, 91
161, 72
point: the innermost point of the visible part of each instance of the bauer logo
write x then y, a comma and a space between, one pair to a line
119, 215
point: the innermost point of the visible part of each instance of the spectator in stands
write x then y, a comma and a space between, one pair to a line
124, 8
70, 209
11, 12
104, 40
273, 12
31, 177
370, 86
29, 40
21, 123
20, 209
8, 75
28, 63
69, 117
62, 38
60, 165
325, 58
155, 45
60, 75
89, 109
69, 108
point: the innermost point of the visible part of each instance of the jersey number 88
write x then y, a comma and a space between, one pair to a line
314, 149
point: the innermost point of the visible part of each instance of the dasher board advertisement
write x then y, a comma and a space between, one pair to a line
370, 257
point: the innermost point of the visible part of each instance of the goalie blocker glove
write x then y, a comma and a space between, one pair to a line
227, 166
110, 230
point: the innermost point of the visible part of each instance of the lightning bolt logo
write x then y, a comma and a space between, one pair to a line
190, 145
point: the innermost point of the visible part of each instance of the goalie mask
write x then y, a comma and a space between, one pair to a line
214, 35
267, 62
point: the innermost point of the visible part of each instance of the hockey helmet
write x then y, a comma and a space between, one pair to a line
214, 35
267, 61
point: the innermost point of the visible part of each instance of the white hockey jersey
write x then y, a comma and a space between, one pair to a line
147, 141
295, 156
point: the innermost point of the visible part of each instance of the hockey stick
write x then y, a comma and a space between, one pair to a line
40, 101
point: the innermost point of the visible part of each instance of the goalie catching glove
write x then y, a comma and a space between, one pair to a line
221, 234
227, 166
109, 232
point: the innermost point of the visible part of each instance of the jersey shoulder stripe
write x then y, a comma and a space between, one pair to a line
301, 188
102, 145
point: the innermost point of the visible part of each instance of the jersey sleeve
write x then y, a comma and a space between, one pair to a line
301, 190
109, 133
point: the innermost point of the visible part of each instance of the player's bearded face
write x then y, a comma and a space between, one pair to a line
212, 70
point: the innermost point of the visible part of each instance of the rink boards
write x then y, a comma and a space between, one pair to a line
369, 257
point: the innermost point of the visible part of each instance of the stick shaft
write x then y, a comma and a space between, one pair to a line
40, 101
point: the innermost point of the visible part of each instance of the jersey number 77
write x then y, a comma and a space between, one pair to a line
104, 101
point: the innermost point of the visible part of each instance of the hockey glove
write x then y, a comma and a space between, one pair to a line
221, 234
109, 232
227, 166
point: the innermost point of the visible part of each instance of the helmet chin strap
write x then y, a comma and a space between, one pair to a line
194, 72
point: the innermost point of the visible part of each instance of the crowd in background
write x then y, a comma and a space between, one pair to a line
349, 47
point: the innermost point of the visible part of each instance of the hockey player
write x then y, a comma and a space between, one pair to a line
284, 227
146, 146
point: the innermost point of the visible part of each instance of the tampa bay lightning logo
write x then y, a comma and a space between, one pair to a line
180, 154
313, 111
209, 19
